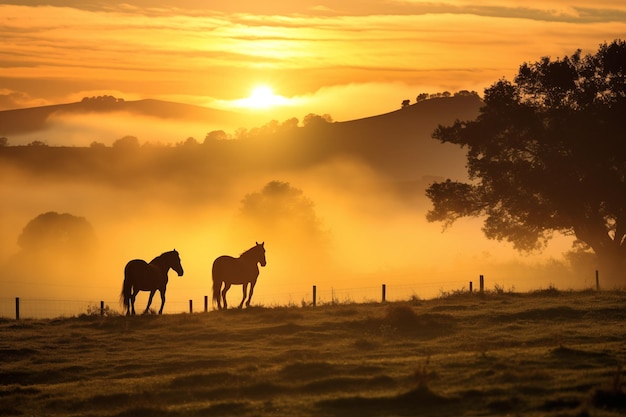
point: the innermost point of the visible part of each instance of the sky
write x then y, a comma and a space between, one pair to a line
345, 58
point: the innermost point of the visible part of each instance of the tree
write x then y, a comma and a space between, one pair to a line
56, 250
97, 145
215, 136
58, 233
312, 119
190, 142
127, 143
281, 208
422, 97
547, 154
285, 218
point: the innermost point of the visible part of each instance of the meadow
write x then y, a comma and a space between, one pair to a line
544, 353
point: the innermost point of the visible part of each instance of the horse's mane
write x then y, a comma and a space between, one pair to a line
164, 254
248, 252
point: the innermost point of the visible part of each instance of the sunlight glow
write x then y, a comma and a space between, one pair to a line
263, 97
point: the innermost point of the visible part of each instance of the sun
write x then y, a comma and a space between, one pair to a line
263, 97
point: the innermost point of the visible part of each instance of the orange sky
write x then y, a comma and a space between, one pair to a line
346, 58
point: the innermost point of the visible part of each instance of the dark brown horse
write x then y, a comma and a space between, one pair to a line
243, 270
142, 276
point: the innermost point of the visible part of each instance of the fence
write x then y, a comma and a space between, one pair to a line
41, 308
22, 308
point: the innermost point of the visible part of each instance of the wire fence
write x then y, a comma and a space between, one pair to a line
38, 308
41, 308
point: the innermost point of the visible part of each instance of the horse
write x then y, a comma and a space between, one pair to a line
243, 270
142, 276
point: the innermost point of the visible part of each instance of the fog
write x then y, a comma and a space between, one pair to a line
370, 234
79, 129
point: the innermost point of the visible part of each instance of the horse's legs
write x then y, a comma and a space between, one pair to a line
245, 293
129, 300
251, 292
132, 300
219, 297
224, 290
162, 292
149, 301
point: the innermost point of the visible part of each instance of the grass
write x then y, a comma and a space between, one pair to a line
544, 353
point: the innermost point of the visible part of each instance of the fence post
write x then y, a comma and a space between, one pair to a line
597, 280
482, 284
206, 303
384, 292
17, 308
101, 308
190, 306
314, 296
471, 287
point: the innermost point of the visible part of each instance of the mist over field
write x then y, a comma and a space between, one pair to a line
366, 218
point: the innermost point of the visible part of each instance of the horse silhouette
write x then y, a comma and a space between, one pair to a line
243, 270
142, 276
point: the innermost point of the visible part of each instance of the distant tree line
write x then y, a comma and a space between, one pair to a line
271, 128
427, 96
102, 100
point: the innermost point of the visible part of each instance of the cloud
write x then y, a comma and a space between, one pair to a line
305, 53
16, 99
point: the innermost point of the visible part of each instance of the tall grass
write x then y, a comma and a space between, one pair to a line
546, 353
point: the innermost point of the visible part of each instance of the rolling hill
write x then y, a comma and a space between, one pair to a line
28, 120
397, 145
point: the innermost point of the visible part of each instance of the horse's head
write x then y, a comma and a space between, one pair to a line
260, 251
174, 262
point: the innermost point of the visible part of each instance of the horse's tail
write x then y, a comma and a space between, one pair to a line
125, 294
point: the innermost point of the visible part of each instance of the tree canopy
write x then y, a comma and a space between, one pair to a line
282, 209
547, 154
58, 233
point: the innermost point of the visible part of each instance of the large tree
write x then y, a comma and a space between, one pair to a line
285, 218
59, 234
283, 212
547, 154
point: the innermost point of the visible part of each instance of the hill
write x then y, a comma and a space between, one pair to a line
28, 120
400, 142
397, 145
462, 355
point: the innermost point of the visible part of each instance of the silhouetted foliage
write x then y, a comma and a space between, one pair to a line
315, 119
190, 142
4, 141
547, 154
126, 143
216, 135
97, 145
101, 102
59, 233
283, 217
279, 206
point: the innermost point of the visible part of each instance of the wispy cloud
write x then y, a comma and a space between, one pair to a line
186, 48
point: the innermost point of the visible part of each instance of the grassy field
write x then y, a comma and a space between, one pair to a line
547, 353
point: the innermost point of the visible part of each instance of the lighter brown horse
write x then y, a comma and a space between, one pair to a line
243, 270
